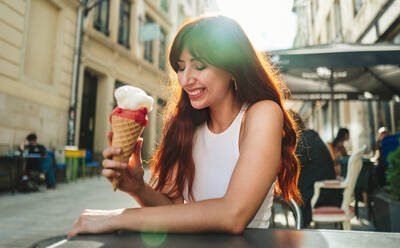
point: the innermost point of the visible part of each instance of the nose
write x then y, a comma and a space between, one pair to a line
186, 77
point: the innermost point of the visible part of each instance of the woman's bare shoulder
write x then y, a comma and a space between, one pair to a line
264, 110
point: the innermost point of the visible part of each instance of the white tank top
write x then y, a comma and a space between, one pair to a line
215, 157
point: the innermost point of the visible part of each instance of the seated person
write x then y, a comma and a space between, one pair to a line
316, 165
44, 164
337, 149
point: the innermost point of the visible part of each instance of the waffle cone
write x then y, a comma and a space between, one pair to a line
125, 134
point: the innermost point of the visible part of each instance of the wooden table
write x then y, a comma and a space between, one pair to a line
250, 238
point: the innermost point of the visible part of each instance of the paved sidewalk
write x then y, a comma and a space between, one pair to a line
28, 218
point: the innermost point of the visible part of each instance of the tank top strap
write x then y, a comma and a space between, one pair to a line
242, 111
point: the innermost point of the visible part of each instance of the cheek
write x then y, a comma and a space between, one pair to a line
179, 77
215, 81
223, 85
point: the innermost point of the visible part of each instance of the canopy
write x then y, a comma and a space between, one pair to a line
341, 71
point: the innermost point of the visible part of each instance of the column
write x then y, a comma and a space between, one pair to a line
114, 20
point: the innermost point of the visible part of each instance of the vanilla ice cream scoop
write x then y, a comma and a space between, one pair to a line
132, 98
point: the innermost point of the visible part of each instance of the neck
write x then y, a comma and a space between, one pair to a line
222, 116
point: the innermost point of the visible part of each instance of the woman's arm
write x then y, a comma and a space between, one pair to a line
131, 177
256, 170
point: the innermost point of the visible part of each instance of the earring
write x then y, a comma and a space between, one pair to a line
235, 84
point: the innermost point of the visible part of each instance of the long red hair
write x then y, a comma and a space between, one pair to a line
221, 42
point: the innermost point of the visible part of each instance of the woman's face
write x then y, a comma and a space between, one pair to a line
206, 85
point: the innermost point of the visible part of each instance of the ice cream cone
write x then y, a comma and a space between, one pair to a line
125, 134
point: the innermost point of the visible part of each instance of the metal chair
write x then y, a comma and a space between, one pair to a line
295, 209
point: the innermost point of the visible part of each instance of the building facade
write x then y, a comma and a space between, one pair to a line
36, 51
350, 21
124, 42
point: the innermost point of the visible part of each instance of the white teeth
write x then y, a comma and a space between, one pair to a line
195, 92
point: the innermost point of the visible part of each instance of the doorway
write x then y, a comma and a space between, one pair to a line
88, 111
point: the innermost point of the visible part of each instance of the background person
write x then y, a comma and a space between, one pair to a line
337, 149
316, 165
378, 159
43, 164
226, 144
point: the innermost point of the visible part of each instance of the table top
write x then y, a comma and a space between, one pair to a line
250, 238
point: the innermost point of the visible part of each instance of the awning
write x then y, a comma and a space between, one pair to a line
341, 71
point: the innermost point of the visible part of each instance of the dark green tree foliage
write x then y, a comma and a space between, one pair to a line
393, 174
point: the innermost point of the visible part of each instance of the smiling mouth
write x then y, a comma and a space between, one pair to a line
195, 93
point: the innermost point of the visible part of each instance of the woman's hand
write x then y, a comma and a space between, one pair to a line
95, 221
130, 175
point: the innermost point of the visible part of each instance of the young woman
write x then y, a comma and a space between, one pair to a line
227, 143
337, 148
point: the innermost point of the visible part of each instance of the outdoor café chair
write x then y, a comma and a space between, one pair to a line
343, 214
285, 206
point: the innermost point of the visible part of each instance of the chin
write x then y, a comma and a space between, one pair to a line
198, 106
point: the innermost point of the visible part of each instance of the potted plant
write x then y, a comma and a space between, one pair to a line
387, 204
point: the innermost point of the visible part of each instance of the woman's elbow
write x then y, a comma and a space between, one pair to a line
235, 221
237, 229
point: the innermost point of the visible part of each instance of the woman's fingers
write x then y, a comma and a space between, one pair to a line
72, 232
94, 221
109, 173
111, 151
138, 148
109, 137
112, 164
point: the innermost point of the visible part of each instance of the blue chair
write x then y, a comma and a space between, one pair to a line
92, 165
389, 144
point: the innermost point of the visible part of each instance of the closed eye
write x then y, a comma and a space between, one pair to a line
196, 64
201, 67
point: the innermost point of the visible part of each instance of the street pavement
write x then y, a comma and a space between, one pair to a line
27, 218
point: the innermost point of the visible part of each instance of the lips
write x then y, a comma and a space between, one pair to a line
195, 93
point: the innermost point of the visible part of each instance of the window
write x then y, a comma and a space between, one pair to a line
162, 50
357, 4
164, 5
101, 15
148, 45
124, 21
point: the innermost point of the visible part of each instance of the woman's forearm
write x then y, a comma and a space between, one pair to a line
148, 197
209, 215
